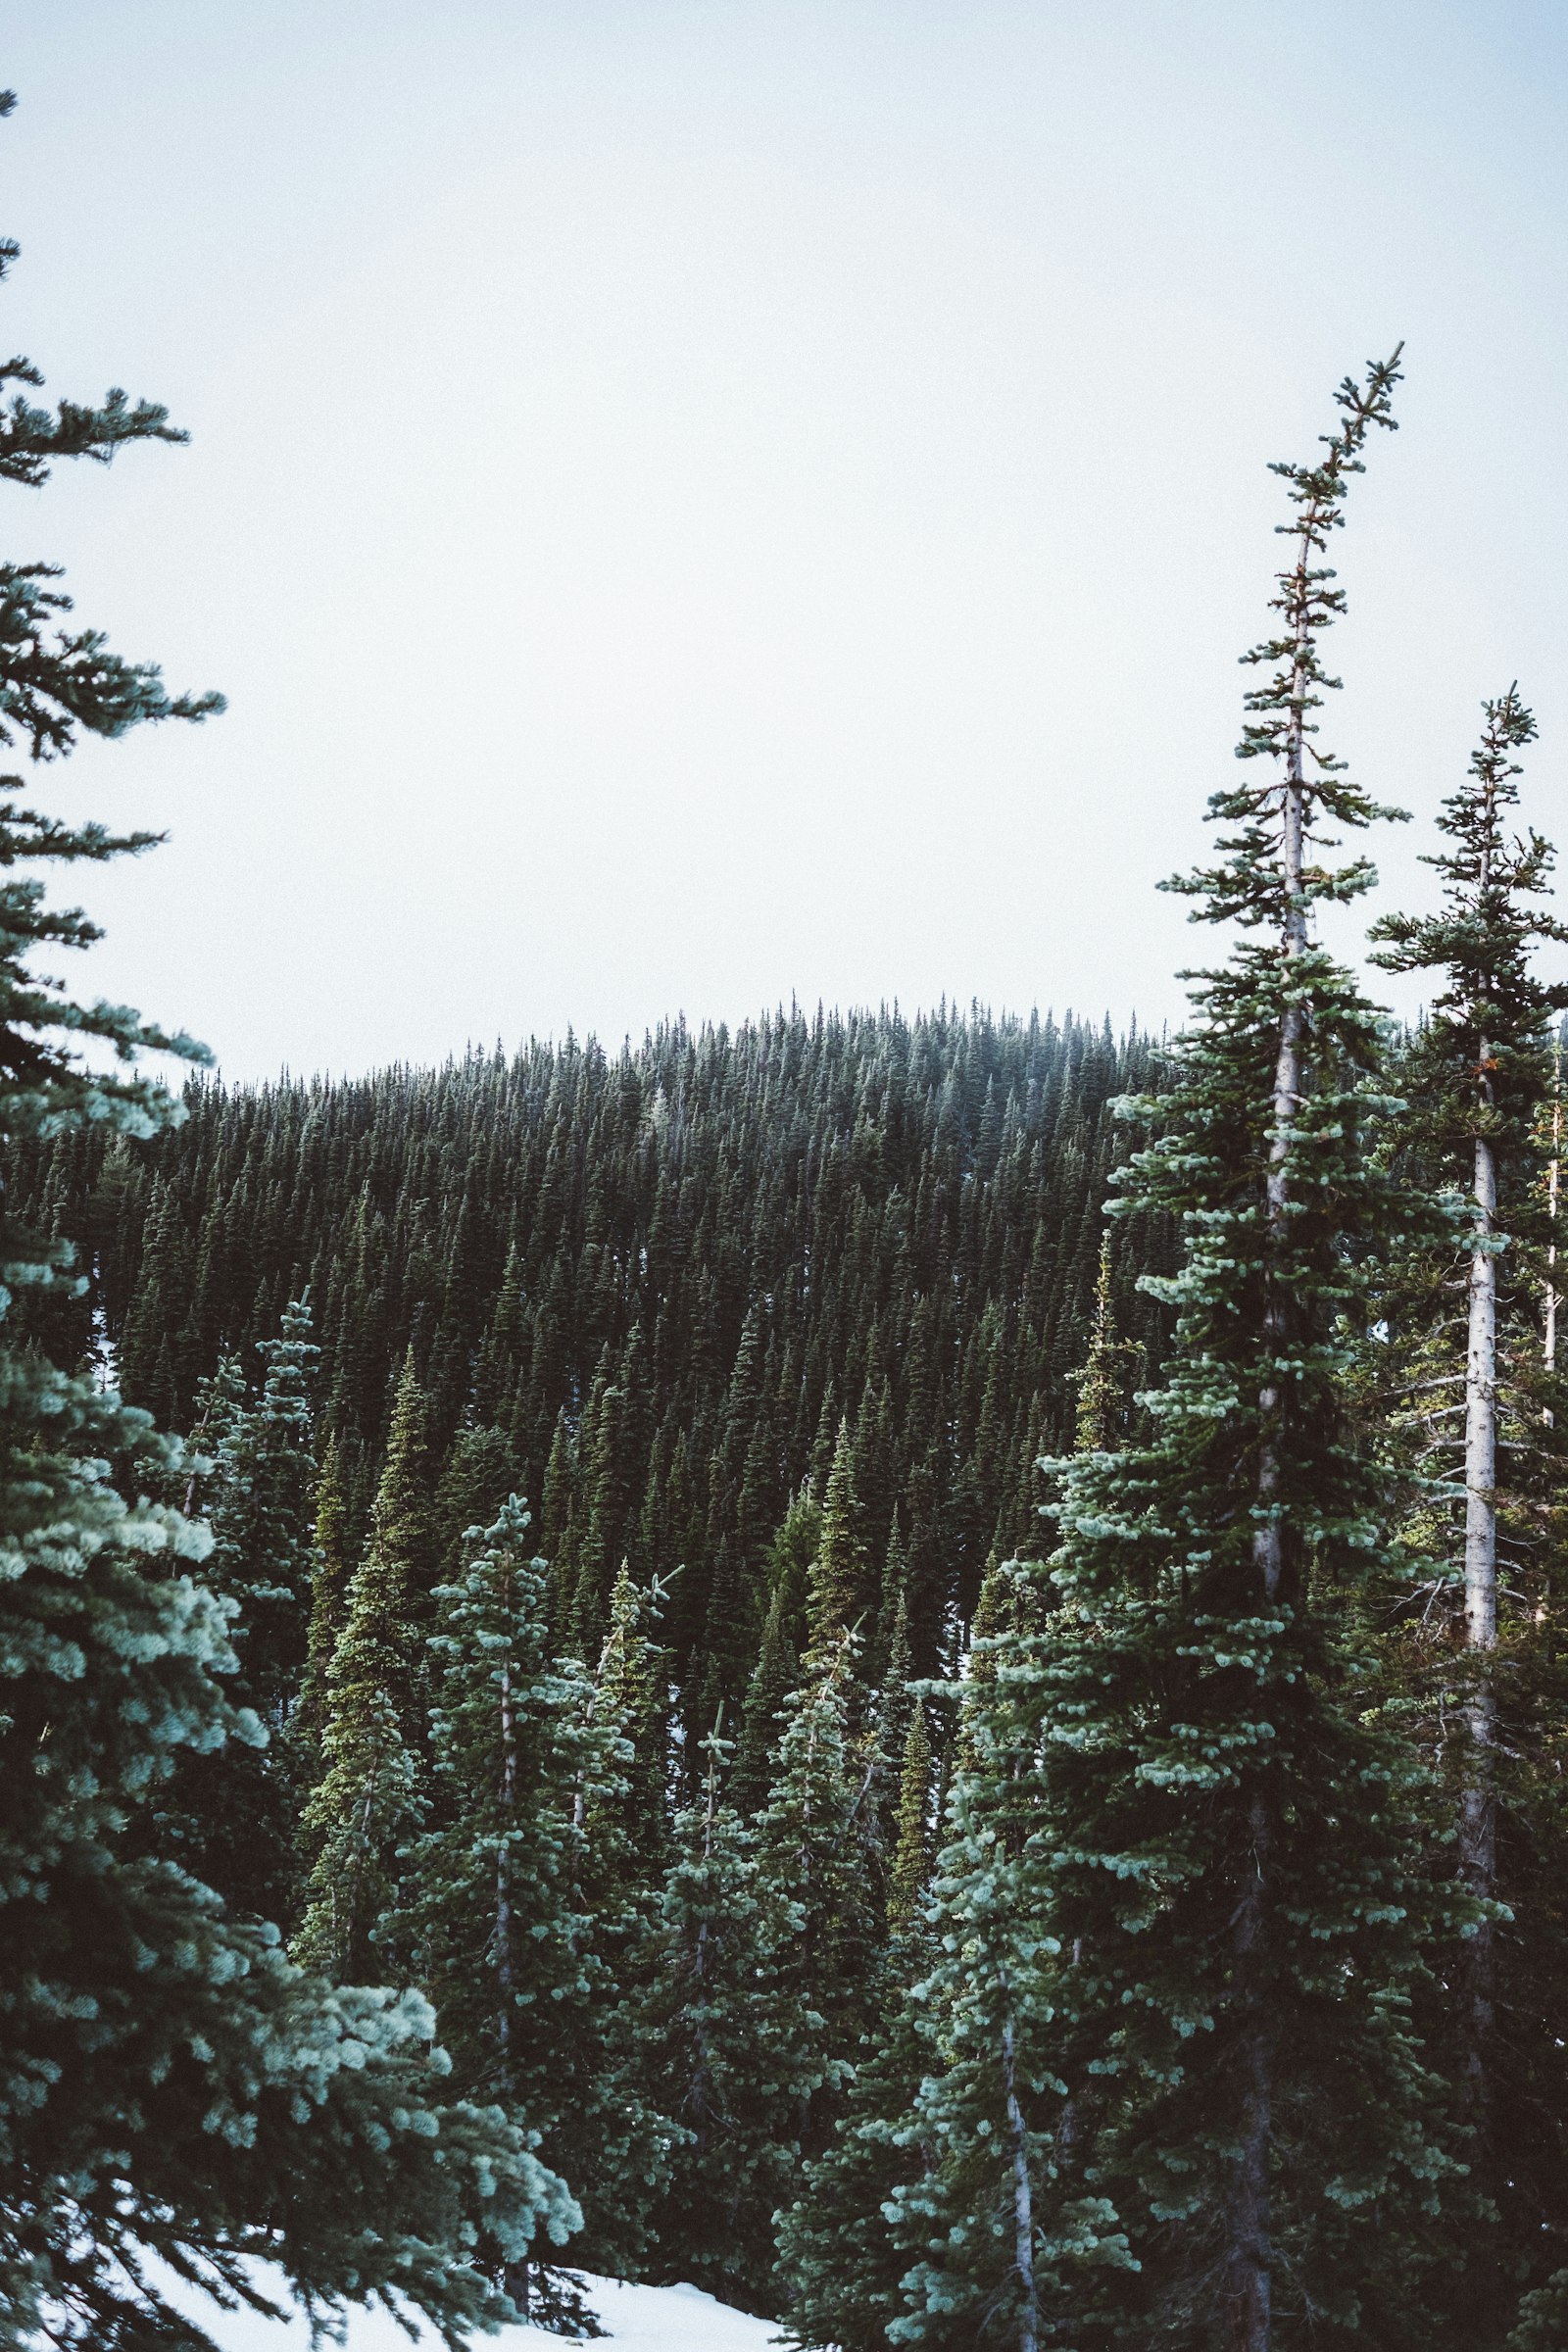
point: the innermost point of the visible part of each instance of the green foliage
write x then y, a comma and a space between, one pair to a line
1542, 2324
820, 1182
841, 2269
371, 1798
500, 1906
817, 1846
911, 1864
231, 1821
1103, 1402
1480, 1063
168, 2084
738, 2050
1479, 1081
835, 1590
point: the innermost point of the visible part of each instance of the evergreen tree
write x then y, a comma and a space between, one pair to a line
628, 1824
835, 1585
1479, 1407
492, 1908
1182, 1907
738, 2050
240, 1808
911, 1865
1103, 1386
329, 1586
775, 1675
369, 1799
815, 1847
168, 2085
840, 2267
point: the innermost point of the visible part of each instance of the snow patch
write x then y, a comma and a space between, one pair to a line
638, 2318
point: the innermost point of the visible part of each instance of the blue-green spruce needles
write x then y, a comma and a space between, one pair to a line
1175, 2097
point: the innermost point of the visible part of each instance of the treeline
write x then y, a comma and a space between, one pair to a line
647, 1291
778, 1328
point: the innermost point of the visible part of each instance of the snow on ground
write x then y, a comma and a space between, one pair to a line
638, 2318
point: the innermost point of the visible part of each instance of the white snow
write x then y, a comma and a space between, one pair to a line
638, 2318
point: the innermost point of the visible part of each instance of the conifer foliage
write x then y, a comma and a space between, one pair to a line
168, 2082
1157, 1944
1466, 1379
688, 1264
1179, 1918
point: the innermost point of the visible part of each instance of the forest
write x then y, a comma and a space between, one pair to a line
903, 1665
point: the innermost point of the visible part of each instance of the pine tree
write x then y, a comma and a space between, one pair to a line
739, 2049
329, 1587
911, 1865
625, 1831
775, 1675
1182, 1900
628, 1826
369, 1799
1103, 1385
972, 2240
491, 1909
168, 2085
840, 2267
815, 1846
835, 1589
1480, 1404
240, 1808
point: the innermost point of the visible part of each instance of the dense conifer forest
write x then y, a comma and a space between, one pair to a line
648, 1290
909, 1667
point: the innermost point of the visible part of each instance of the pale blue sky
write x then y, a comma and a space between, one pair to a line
696, 503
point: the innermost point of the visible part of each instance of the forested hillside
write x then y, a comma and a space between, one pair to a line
646, 1290
912, 1669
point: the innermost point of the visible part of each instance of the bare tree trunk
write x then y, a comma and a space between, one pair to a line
1478, 1832
1548, 1350
1480, 1415
517, 2276
1023, 2213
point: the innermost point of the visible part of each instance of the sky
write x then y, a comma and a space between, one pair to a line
698, 505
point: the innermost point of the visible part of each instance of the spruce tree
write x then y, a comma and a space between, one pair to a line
1106, 1377
1480, 1407
242, 1806
841, 2268
816, 1848
329, 1584
911, 1865
1183, 1905
491, 1908
369, 1799
628, 1824
836, 1586
168, 2085
775, 1676
739, 2056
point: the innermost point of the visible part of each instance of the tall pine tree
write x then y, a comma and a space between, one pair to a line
1480, 1410
1183, 1901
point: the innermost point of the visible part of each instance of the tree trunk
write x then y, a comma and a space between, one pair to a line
1023, 2213
1247, 2250
1548, 1349
1478, 1833
516, 2278
1248, 2254
1481, 1416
